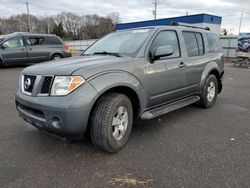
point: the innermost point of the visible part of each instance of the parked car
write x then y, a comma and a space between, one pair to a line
24, 48
130, 74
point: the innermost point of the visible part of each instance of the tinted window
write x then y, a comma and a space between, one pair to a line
191, 44
166, 38
200, 43
53, 41
34, 41
13, 43
213, 43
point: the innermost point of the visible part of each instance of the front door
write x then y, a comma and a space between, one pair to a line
166, 79
14, 51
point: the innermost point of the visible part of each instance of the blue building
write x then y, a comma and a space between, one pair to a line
202, 20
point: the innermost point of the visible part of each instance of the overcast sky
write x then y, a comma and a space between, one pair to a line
137, 10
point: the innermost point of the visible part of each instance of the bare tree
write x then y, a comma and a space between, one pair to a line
72, 26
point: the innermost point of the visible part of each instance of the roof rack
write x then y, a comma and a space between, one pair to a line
189, 25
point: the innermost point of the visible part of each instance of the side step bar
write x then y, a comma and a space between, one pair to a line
150, 114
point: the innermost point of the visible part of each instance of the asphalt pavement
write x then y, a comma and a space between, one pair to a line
190, 147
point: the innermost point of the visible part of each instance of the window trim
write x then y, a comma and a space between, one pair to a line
153, 39
203, 44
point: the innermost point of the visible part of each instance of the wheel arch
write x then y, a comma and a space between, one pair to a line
217, 75
129, 92
211, 68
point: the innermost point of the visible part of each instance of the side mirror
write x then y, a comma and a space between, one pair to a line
162, 51
3, 46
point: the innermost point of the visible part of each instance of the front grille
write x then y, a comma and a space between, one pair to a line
46, 85
28, 83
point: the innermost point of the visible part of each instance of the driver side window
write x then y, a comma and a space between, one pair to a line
166, 38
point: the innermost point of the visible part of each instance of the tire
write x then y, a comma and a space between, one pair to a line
208, 99
56, 57
110, 112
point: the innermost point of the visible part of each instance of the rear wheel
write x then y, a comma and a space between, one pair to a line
209, 92
111, 122
56, 57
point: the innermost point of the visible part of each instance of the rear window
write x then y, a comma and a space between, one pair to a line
194, 43
214, 44
53, 41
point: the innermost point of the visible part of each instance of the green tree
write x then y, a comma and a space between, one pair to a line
58, 30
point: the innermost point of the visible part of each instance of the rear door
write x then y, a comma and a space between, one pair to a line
14, 51
38, 51
195, 60
166, 79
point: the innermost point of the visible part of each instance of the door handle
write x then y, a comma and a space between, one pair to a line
30, 48
181, 65
22, 49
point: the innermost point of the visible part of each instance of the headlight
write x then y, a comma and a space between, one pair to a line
63, 85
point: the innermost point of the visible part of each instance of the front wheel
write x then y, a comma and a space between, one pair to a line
209, 92
111, 122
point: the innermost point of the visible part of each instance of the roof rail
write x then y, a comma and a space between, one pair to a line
189, 25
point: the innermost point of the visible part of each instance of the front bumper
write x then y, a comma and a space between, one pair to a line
59, 115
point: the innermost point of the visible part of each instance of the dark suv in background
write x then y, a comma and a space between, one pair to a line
24, 48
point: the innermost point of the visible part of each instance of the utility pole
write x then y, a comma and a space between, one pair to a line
28, 16
155, 10
240, 21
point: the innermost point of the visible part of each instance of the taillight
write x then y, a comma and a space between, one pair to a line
66, 47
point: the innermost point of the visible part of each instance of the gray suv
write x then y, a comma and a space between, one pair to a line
24, 48
127, 75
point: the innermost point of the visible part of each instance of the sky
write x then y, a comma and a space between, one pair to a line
137, 10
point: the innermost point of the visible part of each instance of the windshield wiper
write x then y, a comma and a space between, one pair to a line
108, 53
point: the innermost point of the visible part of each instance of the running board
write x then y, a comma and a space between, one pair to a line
150, 114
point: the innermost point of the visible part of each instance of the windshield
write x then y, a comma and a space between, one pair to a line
124, 43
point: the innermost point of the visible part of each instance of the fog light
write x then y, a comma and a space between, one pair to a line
56, 123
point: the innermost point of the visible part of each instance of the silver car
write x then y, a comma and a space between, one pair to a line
127, 75
25, 48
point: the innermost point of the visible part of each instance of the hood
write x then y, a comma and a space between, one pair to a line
69, 65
